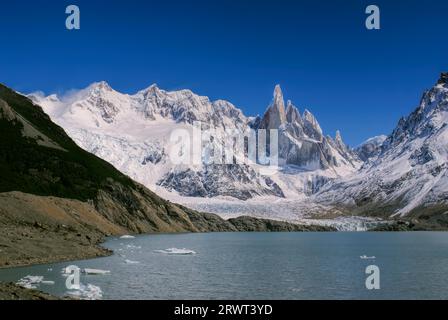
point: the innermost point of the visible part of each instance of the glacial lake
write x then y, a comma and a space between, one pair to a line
260, 266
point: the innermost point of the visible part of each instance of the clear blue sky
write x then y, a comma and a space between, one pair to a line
352, 79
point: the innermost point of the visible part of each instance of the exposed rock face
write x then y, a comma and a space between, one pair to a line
216, 180
275, 116
443, 80
311, 127
293, 114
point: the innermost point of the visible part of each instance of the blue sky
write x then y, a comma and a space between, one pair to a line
320, 52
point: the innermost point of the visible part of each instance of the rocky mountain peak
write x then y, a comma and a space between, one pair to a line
101, 86
275, 116
431, 114
443, 80
311, 126
152, 90
278, 102
338, 137
340, 143
292, 113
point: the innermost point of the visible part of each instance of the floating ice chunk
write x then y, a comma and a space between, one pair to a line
127, 237
95, 271
131, 262
87, 292
364, 257
30, 282
176, 251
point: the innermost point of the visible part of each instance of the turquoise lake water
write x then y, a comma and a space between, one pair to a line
260, 266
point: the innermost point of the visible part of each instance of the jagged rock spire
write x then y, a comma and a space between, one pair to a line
275, 116
339, 142
311, 126
338, 137
279, 102
292, 113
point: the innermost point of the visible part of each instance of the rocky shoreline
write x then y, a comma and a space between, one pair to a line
11, 291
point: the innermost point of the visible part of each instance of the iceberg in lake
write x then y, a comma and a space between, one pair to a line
131, 261
364, 257
127, 237
95, 271
176, 251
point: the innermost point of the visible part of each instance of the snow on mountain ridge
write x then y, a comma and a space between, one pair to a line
133, 133
410, 173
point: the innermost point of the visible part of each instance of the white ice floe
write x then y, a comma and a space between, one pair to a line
176, 251
30, 282
131, 261
127, 237
87, 292
94, 271
364, 257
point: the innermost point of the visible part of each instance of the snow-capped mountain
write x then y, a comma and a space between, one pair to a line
409, 176
133, 133
402, 174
